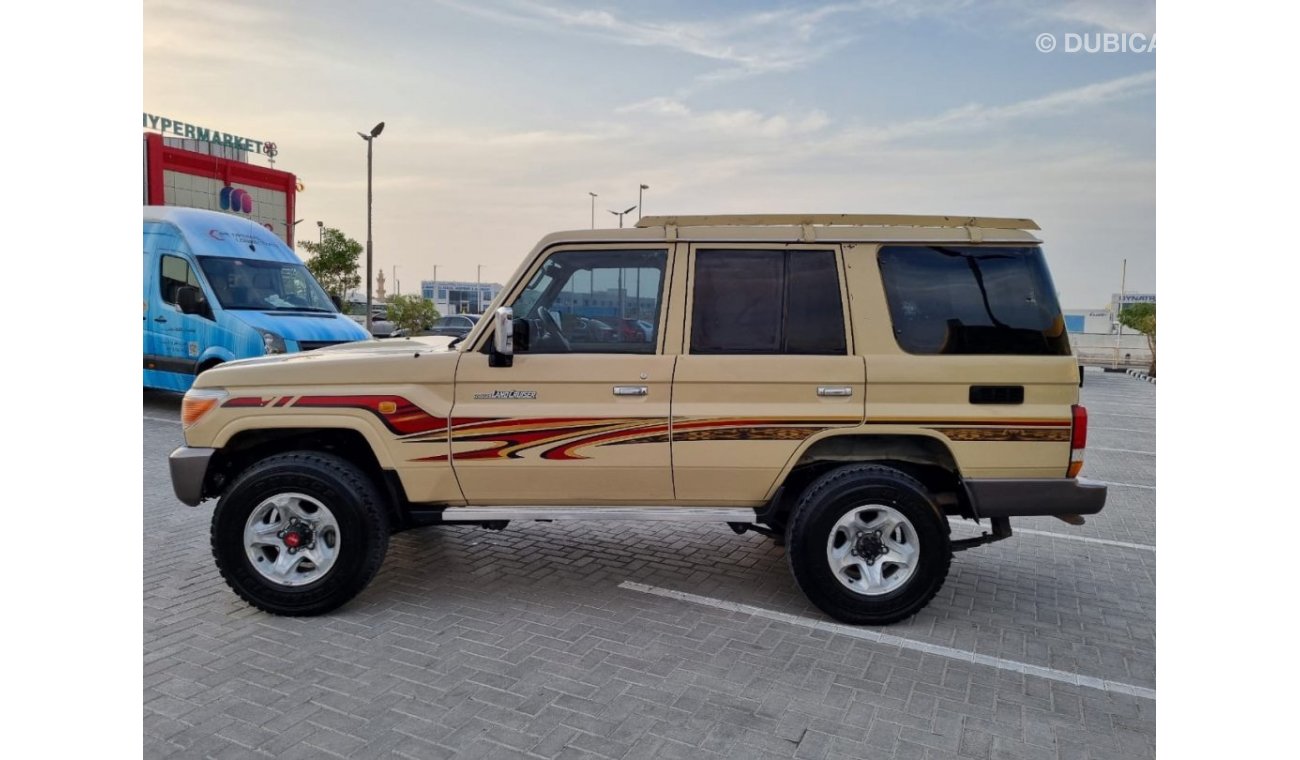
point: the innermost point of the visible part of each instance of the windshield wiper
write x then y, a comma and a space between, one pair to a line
298, 308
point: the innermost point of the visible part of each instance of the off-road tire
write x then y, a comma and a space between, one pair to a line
830, 497
348, 493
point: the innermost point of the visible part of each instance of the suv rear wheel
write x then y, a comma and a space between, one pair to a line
299, 533
867, 545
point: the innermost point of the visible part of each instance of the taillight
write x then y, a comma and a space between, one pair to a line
198, 403
1078, 439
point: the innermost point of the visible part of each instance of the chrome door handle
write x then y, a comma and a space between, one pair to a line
834, 390
631, 390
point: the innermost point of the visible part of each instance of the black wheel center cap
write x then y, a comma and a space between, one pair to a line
869, 546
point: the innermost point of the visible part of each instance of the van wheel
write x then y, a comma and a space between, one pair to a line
208, 365
299, 533
867, 545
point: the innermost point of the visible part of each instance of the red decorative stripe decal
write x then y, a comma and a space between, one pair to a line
397, 413
243, 402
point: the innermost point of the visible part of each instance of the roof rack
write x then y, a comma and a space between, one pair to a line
853, 220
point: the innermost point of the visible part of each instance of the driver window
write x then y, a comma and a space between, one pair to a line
594, 302
176, 272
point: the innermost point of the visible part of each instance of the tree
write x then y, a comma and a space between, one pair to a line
334, 261
1142, 317
411, 313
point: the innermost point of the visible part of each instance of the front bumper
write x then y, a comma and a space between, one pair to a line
189, 469
1027, 498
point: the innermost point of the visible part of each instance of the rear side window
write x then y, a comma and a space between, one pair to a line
972, 300
767, 302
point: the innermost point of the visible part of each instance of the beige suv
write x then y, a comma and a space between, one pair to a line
845, 384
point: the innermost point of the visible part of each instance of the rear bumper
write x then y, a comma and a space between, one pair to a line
1026, 498
189, 468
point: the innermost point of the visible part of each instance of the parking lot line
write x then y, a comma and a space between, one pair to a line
162, 419
868, 634
1068, 537
1123, 485
1122, 451
1121, 430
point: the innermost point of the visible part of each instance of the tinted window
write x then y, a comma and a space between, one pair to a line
767, 302
594, 302
972, 300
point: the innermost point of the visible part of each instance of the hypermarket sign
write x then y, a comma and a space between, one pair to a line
192, 132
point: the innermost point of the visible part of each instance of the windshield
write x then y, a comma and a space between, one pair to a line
265, 285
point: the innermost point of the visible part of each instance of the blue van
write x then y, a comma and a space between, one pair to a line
219, 287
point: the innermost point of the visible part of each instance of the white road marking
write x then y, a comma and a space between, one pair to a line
162, 419
1124, 485
1068, 537
1122, 430
869, 634
1121, 451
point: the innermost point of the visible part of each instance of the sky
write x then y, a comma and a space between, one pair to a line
502, 115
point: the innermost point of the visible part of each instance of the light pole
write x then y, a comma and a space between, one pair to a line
397, 284
639, 202
478, 291
620, 214
321, 226
593, 209
434, 296
370, 204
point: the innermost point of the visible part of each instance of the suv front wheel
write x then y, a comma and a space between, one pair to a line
867, 545
299, 533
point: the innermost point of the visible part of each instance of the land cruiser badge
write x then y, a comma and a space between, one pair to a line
526, 395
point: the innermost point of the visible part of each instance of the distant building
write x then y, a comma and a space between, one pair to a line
1102, 321
458, 297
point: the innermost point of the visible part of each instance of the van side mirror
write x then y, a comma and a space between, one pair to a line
503, 338
338, 302
189, 300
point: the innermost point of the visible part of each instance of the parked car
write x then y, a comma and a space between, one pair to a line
918, 372
453, 325
218, 287
590, 330
635, 331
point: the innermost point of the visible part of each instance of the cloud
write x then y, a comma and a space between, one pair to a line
979, 116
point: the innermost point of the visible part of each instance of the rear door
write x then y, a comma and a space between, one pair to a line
768, 364
581, 416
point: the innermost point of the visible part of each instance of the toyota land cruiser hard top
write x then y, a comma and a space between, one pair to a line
846, 384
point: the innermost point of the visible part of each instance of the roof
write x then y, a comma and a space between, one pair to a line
810, 228
850, 220
215, 233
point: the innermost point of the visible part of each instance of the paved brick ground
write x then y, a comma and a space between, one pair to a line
473, 643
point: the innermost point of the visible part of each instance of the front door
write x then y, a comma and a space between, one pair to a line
582, 415
173, 339
768, 364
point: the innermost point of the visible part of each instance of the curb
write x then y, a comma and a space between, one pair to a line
1141, 375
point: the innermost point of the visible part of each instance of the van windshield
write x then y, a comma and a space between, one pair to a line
264, 285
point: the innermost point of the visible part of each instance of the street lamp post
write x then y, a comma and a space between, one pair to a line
639, 202
397, 284
434, 294
593, 209
370, 204
321, 226
478, 290
620, 214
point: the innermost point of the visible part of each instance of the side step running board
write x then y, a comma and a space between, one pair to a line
678, 514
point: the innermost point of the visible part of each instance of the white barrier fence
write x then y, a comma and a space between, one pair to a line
1102, 350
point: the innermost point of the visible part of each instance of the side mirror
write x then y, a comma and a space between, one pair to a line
503, 338
338, 302
189, 300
